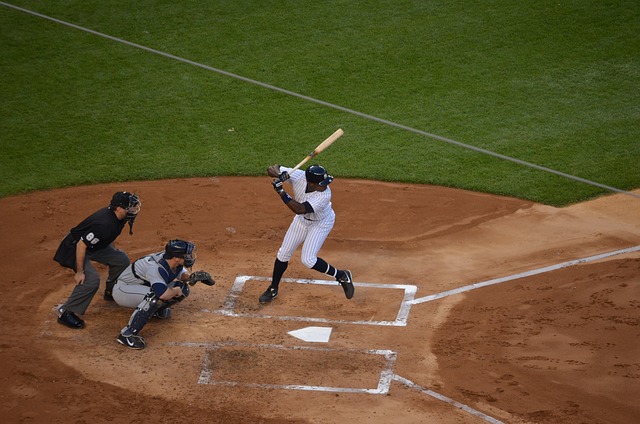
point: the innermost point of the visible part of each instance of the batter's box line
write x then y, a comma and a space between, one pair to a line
387, 376
384, 381
228, 308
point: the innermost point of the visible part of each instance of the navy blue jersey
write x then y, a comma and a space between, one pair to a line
98, 230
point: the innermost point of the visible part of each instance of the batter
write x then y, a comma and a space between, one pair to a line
311, 202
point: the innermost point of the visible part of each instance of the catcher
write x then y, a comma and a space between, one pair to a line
153, 284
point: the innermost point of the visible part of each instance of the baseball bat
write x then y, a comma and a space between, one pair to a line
321, 147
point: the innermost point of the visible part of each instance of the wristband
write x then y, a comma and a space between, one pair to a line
286, 198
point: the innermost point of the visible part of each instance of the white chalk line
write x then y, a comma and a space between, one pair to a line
522, 275
445, 399
384, 380
331, 105
386, 376
229, 305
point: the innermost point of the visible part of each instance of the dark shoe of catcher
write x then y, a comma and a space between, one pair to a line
132, 342
346, 281
69, 319
108, 292
108, 296
268, 295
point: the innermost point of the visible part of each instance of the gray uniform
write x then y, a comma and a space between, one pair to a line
150, 273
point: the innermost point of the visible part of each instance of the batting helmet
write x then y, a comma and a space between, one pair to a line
181, 249
317, 174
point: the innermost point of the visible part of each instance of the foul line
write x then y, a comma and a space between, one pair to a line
445, 399
523, 274
331, 105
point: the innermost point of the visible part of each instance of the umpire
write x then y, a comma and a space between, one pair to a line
91, 240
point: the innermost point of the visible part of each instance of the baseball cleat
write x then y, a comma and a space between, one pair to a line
69, 319
268, 295
132, 342
346, 281
108, 296
108, 291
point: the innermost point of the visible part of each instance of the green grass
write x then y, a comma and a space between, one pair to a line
550, 83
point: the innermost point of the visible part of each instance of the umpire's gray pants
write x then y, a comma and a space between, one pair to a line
82, 294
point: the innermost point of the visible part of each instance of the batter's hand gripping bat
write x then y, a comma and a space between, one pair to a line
321, 147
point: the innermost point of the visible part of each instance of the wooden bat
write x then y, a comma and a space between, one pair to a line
321, 147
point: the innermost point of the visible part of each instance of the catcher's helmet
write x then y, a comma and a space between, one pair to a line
317, 174
181, 249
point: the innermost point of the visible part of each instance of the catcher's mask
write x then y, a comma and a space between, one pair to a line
317, 174
129, 202
181, 249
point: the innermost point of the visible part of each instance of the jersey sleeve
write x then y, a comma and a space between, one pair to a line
183, 271
159, 288
158, 284
294, 176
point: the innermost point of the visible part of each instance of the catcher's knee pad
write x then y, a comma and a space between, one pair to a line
144, 312
171, 302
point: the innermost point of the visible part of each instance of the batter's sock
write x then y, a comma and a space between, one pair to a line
322, 266
279, 268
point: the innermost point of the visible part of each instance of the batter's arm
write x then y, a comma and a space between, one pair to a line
295, 206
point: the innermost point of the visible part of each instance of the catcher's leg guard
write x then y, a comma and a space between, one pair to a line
143, 312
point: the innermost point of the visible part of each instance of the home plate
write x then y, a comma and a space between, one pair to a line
312, 334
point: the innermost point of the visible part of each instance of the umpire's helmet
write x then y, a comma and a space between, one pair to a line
129, 202
181, 249
317, 174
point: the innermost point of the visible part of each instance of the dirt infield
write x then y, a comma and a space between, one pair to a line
532, 345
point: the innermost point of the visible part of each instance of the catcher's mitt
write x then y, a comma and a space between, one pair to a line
203, 276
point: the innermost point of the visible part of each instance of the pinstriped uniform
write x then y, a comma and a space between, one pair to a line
311, 229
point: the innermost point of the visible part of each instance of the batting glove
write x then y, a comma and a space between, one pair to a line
277, 186
284, 176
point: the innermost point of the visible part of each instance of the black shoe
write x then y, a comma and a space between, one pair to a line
131, 341
268, 295
108, 296
69, 319
346, 281
108, 292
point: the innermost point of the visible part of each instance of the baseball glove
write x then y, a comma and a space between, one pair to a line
203, 276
